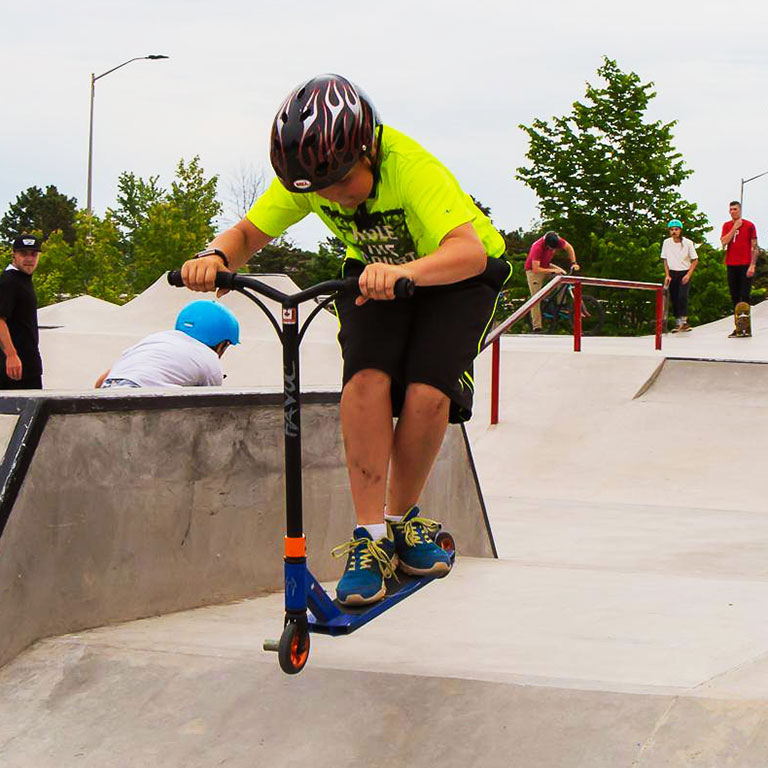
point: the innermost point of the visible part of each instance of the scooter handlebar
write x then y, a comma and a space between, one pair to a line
223, 279
404, 287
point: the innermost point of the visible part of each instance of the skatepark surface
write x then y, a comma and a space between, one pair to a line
622, 625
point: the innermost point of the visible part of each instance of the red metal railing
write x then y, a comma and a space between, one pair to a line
551, 287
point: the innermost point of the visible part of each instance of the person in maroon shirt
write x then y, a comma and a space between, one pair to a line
539, 268
739, 238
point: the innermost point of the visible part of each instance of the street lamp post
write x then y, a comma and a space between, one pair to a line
94, 78
746, 181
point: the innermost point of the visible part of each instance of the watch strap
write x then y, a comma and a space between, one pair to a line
214, 252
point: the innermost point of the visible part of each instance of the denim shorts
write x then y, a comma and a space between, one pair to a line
114, 383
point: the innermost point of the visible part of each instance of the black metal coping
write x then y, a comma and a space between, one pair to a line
716, 360
34, 409
107, 402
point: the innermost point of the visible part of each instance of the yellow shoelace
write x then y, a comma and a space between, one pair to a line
414, 530
365, 549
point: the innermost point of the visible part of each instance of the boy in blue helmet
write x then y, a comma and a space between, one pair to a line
188, 356
401, 213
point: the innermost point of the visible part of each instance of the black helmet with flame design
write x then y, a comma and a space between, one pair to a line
321, 130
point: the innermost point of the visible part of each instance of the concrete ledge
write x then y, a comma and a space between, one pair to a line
156, 506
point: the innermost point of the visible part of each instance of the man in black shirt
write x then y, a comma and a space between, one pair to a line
20, 364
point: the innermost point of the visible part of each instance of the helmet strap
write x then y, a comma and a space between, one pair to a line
221, 348
375, 157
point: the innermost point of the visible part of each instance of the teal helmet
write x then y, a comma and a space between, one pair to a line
675, 223
209, 322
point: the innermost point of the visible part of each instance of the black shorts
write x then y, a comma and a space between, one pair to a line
431, 338
35, 381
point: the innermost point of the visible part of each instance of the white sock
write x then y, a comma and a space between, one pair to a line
393, 518
377, 530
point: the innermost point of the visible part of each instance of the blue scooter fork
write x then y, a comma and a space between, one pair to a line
302, 590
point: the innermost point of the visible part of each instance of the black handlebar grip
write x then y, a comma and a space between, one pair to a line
223, 279
404, 288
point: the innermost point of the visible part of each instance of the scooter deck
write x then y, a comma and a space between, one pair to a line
349, 619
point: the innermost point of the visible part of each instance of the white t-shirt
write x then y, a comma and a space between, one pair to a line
678, 255
169, 359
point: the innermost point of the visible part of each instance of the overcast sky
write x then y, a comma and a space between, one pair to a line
459, 77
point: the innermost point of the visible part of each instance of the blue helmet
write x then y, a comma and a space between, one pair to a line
209, 322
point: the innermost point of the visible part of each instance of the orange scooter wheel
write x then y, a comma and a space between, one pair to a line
293, 650
445, 541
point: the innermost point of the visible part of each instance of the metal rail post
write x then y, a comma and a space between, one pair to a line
659, 315
577, 317
492, 340
495, 354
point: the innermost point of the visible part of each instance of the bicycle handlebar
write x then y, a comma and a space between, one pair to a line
403, 288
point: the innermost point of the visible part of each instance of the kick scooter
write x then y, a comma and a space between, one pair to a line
308, 607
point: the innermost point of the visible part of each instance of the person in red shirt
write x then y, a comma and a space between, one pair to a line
739, 238
539, 268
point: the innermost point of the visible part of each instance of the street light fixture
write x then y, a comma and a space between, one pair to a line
746, 181
94, 78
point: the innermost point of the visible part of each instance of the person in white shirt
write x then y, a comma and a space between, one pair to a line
188, 356
680, 261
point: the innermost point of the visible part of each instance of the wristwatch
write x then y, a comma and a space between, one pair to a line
213, 252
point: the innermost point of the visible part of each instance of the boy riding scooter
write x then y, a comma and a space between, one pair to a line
401, 213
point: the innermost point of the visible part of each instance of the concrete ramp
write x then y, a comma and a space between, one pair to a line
498, 665
80, 312
156, 308
623, 625
573, 429
701, 383
81, 338
117, 506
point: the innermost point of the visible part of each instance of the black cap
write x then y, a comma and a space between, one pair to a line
27, 243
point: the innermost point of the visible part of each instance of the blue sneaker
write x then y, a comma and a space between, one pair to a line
369, 563
416, 549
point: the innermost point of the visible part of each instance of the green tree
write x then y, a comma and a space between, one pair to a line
608, 179
135, 198
93, 265
194, 197
710, 299
283, 256
54, 276
160, 229
326, 263
97, 254
605, 167
305, 268
43, 212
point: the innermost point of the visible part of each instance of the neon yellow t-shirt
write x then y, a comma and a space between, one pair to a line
416, 204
